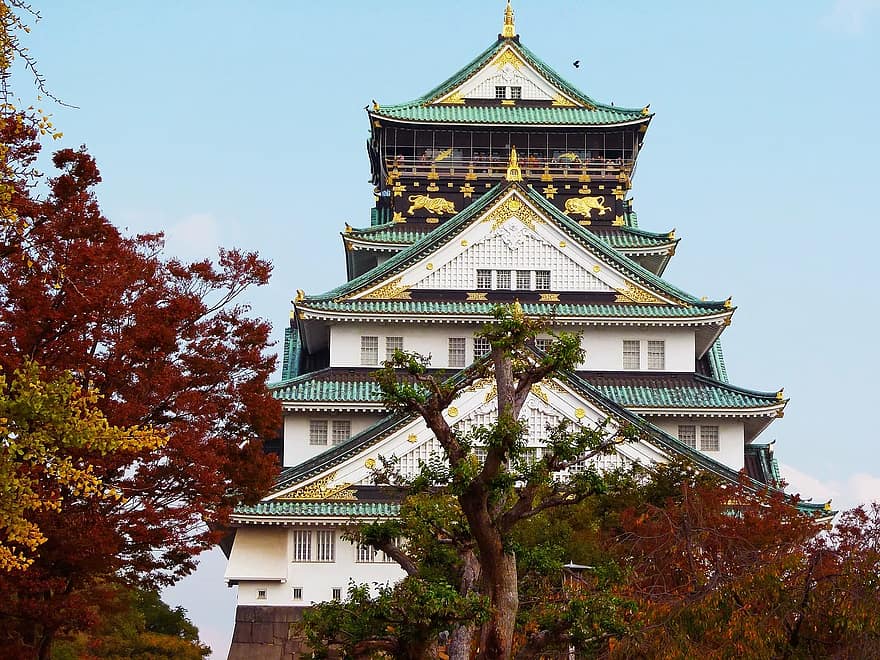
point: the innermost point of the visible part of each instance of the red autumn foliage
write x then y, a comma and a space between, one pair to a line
167, 345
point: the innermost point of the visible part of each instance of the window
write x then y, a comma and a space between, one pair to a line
261, 594
523, 279
516, 92
302, 545
631, 351
709, 438
392, 344
502, 279
324, 548
457, 356
366, 554
542, 280
341, 431
297, 593
500, 92
337, 593
370, 350
318, 432
484, 279
481, 347
656, 354
542, 343
687, 433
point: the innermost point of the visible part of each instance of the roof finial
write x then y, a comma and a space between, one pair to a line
509, 30
513, 171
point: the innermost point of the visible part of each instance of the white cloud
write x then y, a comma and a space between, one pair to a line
850, 16
194, 237
859, 488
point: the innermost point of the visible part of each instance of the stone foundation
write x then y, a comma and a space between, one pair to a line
267, 633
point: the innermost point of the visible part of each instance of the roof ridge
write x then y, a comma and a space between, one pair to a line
736, 388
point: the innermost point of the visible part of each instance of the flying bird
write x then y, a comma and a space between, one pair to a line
576, 64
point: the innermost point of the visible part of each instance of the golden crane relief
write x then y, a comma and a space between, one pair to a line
322, 489
436, 205
583, 205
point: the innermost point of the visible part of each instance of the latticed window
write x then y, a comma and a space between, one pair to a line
484, 278
709, 438
324, 545
457, 352
481, 347
336, 593
516, 92
631, 351
542, 280
318, 432
366, 554
500, 92
543, 343
524, 279
302, 545
687, 433
502, 279
341, 430
656, 354
392, 344
370, 350
297, 593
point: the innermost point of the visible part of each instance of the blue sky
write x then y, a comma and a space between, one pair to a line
242, 124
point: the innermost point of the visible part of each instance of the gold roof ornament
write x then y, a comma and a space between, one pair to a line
517, 310
509, 29
780, 395
513, 171
728, 303
300, 294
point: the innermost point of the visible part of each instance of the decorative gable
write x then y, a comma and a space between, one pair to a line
511, 234
412, 443
508, 77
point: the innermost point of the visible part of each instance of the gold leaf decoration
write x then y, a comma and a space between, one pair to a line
393, 290
322, 489
632, 293
504, 212
538, 391
508, 57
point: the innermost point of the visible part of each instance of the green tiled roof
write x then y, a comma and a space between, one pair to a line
594, 113
479, 308
448, 230
716, 361
702, 392
621, 238
320, 509
635, 390
387, 233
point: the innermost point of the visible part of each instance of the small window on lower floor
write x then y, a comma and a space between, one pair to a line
337, 593
484, 279
392, 345
502, 279
261, 594
687, 433
709, 438
656, 354
631, 352
318, 432
297, 593
481, 347
542, 343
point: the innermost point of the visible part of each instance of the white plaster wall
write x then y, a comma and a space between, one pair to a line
604, 345
258, 553
316, 579
296, 432
731, 436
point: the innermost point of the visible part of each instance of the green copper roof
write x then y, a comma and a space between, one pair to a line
320, 509
423, 109
636, 390
664, 391
619, 238
716, 362
478, 308
448, 230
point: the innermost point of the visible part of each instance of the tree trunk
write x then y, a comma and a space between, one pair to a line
461, 641
496, 639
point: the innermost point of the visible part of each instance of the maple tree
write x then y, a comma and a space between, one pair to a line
46, 428
167, 346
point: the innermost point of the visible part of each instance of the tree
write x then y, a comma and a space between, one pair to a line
485, 501
46, 428
138, 625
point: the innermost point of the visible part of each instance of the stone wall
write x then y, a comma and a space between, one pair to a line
267, 633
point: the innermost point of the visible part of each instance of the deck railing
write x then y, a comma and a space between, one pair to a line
496, 168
